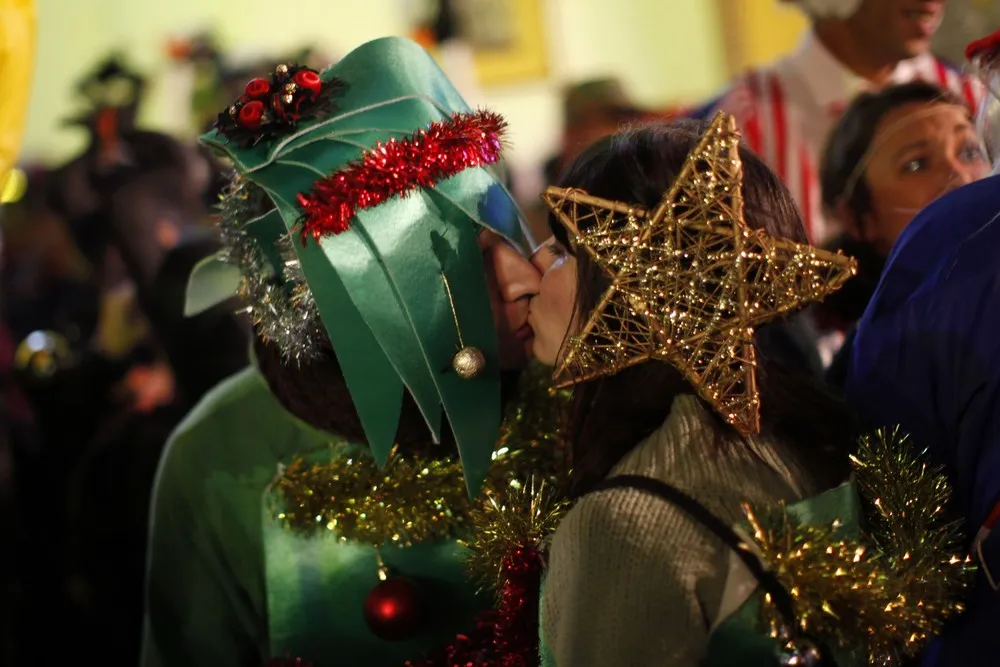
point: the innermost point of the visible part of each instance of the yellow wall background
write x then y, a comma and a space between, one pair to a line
758, 31
665, 50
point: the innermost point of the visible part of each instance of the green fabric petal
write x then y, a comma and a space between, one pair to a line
375, 385
348, 260
212, 282
414, 256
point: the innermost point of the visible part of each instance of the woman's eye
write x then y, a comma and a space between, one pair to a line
972, 152
914, 165
556, 250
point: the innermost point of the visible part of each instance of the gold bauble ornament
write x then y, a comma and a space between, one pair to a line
469, 362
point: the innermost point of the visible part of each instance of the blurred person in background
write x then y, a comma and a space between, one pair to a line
890, 154
592, 110
135, 203
17, 42
134, 198
926, 357
786, 110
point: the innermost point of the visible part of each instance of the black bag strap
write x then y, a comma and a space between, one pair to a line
766, 579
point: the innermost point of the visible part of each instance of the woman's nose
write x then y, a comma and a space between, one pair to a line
962, 173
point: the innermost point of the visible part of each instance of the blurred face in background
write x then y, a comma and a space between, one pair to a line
588, 129
897, 29
920, 151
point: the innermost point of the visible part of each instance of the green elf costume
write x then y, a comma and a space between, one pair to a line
352, 223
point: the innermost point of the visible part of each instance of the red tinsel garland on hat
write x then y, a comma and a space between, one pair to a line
397, 167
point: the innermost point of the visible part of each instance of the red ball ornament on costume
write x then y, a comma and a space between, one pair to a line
394, 610
257, 89
251, 114
308, 80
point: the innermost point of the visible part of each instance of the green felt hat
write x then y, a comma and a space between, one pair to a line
397, 279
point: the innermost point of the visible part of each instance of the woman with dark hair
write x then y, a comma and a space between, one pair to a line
892, 153
634, 580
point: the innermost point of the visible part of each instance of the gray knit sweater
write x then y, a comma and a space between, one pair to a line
632, 580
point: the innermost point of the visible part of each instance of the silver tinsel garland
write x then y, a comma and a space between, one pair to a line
277, 299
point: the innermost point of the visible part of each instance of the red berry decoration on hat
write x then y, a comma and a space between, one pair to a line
272, 107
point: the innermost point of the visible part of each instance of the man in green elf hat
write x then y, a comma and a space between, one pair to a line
384, 266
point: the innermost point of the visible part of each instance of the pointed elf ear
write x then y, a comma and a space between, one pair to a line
213, 281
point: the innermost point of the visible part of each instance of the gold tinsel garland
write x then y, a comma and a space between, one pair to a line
420, 498
888, 593
523, 518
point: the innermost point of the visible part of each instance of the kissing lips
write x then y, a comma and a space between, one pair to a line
524, 333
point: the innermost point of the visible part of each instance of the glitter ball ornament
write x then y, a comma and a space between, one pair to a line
469, 362
288, 662
394, 609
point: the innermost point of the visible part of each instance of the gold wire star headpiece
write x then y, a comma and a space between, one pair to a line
690, 280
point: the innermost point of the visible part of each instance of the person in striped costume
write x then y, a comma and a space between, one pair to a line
787, 109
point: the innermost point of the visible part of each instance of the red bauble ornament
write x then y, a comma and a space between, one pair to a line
394, 610
257, 89
288, 662
251, 114
308, 80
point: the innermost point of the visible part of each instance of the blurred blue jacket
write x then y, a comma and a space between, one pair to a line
926, 356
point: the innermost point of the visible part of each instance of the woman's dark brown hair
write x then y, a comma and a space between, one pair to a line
614, 414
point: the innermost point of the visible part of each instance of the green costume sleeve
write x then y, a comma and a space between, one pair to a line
206, 602
198, 611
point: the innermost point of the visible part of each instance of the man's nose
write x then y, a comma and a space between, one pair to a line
521, 278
